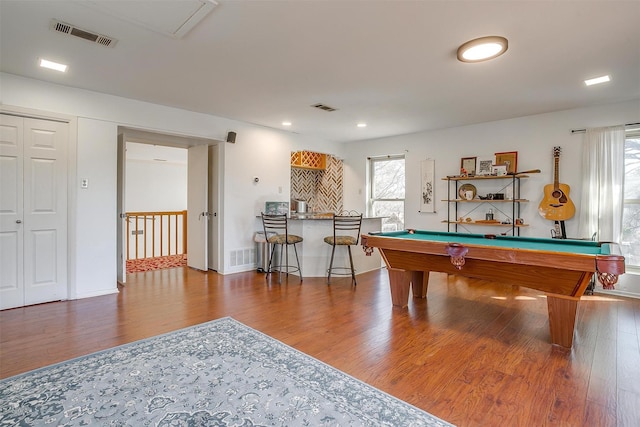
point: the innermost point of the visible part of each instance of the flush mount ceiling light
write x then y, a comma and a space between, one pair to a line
597, 80
286, 123
53, 65
362, 125
482, 49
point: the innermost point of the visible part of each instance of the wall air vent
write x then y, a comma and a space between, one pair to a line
72, 30
324, 107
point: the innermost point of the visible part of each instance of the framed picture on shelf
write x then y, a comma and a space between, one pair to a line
484, 166
499, 170
469, 165
509, 159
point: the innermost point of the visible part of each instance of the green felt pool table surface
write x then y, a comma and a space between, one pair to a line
586, 247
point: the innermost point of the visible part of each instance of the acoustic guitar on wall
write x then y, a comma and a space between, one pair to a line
556, 204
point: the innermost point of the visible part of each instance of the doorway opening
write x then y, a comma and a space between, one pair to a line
156, 207
172, 210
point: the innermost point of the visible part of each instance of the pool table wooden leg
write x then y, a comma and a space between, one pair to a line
400, 282
562, 319
419, 283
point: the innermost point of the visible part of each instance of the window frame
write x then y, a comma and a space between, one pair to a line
630, 134
371, 199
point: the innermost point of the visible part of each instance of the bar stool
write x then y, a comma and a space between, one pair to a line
276, 232
346, 232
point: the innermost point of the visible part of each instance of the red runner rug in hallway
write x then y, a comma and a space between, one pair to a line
157, 263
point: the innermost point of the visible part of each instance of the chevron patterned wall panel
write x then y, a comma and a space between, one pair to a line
322, 189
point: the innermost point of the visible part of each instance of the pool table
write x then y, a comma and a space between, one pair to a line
561, 268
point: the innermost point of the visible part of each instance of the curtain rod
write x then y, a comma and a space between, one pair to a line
584, 130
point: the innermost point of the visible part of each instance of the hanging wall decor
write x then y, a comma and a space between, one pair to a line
427, 187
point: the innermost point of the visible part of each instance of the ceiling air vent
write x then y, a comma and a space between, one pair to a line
72, 30
324, 107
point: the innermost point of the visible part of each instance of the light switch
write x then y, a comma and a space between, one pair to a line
84, 183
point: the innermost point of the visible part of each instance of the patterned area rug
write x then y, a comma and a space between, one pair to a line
157, 263
220, 373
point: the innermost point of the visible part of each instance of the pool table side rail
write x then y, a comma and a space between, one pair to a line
570, 261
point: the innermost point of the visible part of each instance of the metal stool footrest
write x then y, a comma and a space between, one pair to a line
347, 271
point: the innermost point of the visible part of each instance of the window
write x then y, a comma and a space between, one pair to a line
386, 196
631, 212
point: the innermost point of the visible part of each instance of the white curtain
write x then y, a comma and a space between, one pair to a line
602, 184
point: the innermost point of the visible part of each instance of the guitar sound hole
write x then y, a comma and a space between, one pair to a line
556, 194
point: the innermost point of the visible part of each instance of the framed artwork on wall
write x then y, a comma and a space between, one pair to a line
509, 159
427, 172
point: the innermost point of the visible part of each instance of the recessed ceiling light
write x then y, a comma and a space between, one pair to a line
482, 49
597, 80
286, 123
362, 125
53, 65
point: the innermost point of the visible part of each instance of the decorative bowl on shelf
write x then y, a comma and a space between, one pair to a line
464, 189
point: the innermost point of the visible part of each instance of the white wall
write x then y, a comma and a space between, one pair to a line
95, 244
533, 137
258, 151
155, 186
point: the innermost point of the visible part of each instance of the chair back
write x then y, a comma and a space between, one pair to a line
274, 224
347, 224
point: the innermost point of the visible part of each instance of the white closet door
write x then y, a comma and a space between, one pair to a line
11, 212
45, 210
33, 157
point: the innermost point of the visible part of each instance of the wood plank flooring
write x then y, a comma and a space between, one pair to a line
473, 353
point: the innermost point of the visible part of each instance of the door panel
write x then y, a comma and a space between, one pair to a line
197, 214
45, 210
44, 254
213, 242
11, 211
10, 274
121, 239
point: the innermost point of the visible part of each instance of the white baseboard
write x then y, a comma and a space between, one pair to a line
96, 293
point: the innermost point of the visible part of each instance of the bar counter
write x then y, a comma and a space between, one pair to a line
315, 254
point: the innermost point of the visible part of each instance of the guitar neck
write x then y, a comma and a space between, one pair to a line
556, 180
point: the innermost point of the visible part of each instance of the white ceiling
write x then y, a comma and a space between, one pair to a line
389, 63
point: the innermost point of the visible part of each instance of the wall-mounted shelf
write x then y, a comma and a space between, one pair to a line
484, 201
308, 160
481, 177
493, 224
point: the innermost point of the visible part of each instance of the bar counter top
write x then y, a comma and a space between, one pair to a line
322, 215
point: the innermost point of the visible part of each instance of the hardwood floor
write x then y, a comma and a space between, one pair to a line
473, 353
